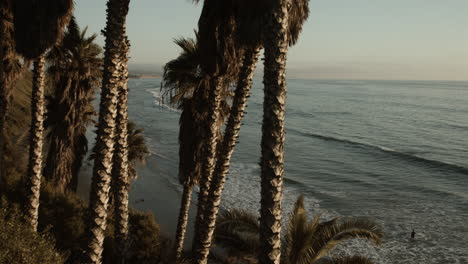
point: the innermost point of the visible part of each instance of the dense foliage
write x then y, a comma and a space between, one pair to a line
62, 215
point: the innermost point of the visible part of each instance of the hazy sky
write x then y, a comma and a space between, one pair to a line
350, 39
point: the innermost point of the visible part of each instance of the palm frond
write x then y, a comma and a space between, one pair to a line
237, 220
238, 231
300, 235
330, 235
295, 237
238, 244
182, 74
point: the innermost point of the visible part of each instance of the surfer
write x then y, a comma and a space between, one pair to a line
413, 234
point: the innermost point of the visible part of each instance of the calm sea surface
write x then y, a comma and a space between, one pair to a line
396, 151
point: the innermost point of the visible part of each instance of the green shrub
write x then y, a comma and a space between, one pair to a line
19, 244
145, 240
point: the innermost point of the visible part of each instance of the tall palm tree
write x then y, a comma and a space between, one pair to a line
227, 144
251, 44
120, 168
115, 42
273, 135
278, 33
181, 77
306, 241
38, 26
220, 64
75, 70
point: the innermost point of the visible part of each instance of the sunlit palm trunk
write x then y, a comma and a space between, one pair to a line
121, 163
183, 218
117, 11
36, 141
211, 141
273, 135
225, 151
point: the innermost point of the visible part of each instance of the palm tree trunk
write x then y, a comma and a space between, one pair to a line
36, 141
225, 151
117, 11
211, 142
273, 135
122, 180
183, 218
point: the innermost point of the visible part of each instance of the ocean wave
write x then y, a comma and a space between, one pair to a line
159, 102
393, 152
456, 126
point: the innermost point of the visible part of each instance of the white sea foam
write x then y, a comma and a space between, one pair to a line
159, 100
439, 222
242, 191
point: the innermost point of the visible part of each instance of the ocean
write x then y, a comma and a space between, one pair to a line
394, 151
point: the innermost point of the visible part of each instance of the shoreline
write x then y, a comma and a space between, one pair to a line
144, 76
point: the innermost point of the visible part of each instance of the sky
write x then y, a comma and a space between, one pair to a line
343, 39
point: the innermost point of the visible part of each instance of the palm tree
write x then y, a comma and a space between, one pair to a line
251, 44
181, 77
115, 49
220, 65
120, 168
273, 136
75, 70
37, 28
306, 241
137, 154
228, 142
278, 33
137, 151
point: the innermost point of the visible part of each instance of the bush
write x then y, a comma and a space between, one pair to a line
20, 244
145, 243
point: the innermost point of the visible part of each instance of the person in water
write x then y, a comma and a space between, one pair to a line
413, 234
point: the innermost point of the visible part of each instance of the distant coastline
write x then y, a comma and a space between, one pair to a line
143, 76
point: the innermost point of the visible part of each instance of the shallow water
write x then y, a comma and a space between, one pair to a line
395, 151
